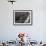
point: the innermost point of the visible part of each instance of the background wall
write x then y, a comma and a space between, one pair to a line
38, 29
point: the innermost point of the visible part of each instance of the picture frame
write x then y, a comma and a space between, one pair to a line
22, 17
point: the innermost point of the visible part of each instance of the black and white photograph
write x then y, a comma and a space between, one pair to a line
22, 17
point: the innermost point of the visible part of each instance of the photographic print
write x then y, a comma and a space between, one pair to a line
22, 17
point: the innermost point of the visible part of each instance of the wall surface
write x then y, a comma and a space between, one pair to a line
38, 29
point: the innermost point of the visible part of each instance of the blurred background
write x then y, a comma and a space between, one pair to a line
8, 31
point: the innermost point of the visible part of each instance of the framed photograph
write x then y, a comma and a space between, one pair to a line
22, 17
